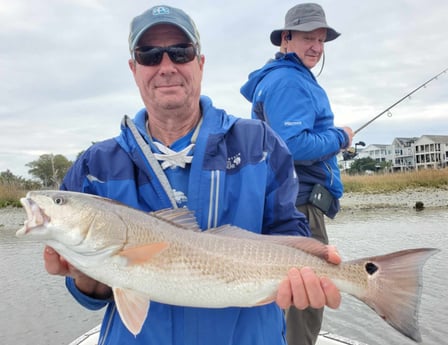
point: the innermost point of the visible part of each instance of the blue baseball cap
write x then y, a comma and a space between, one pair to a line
163, 15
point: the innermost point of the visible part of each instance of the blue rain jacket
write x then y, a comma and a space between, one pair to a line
241, 174
286, 95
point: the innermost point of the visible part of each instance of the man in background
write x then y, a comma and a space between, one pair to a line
286, 95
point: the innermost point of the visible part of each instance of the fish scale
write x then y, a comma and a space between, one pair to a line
163, 256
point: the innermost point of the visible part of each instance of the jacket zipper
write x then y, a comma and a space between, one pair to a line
103, 338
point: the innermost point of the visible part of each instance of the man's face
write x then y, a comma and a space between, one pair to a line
309, 46
168, 85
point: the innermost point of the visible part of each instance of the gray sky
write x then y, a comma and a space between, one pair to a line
65, 80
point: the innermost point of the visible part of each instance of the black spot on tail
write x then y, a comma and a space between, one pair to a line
371, 268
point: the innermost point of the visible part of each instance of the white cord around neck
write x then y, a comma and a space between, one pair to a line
172, 159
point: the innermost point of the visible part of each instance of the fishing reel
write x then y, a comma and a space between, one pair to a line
349, 153
352, 152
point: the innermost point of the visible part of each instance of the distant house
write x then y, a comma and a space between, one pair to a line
426, 152
378, 152
403, 152
431, 151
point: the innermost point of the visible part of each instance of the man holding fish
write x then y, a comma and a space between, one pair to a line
182, 152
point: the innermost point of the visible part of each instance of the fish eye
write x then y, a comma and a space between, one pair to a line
59, 200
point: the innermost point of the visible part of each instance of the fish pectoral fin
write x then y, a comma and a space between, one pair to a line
132, 307
141, 254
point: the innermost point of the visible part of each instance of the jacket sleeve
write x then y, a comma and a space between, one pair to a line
76, 178
84, 300
304, 120
281, 216
94, 168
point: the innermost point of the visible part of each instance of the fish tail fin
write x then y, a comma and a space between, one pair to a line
395, 286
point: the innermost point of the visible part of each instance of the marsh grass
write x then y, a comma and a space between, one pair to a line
383, 183
10, 195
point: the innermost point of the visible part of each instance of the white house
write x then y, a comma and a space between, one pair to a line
378, 152
404, 156
431, 151
428, 151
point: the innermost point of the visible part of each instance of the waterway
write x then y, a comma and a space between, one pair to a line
35, 308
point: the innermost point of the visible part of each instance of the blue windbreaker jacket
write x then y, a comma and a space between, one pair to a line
241, 174
286, 95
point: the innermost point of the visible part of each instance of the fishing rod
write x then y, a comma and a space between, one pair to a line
399, 101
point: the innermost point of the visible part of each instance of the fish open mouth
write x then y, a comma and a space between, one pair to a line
36, 216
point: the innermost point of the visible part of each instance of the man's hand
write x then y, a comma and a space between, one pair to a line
303, 288
56, 264
350, 135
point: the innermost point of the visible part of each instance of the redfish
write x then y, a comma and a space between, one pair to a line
163, 256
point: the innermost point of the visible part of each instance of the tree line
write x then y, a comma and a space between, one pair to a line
362, 166
48, 171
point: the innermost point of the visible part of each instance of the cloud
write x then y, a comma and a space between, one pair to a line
66, 81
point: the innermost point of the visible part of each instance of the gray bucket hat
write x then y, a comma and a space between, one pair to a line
306, 18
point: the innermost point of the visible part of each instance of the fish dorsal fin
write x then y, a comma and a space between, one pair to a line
141, 254
133, 308
306, 244
180, 217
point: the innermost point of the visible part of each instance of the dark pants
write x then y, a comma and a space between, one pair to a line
303, 326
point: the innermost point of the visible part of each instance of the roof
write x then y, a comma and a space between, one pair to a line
437, 138
404, 142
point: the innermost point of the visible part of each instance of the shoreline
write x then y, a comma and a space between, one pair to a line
407, 199
430, 197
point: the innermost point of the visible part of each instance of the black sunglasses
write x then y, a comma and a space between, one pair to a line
152, 56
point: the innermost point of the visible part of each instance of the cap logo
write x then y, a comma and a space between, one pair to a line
160, 10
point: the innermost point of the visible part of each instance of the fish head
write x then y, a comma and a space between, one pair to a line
79, 221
